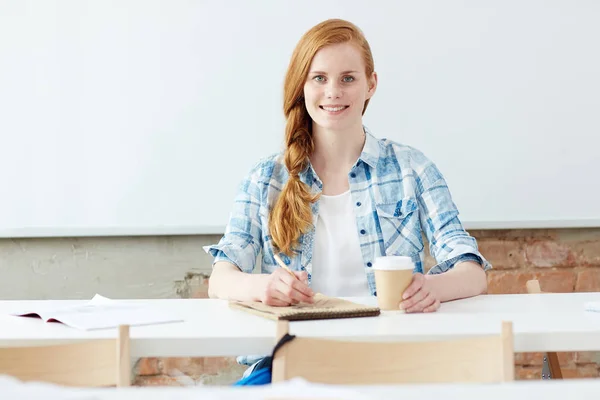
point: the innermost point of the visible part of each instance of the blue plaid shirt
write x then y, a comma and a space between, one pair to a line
398, 195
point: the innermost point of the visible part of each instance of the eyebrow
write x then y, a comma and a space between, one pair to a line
325, 73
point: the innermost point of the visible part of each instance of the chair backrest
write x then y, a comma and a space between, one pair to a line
94, 363
479, 359
533, 287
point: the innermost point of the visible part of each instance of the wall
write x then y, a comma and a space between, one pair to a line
177, 267
123, 267
563, 261
150, 83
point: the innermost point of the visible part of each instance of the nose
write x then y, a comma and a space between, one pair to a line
333, 91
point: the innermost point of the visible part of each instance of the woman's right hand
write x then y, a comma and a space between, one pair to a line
282, 289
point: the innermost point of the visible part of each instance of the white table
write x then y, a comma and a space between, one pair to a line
581, 389
541, 322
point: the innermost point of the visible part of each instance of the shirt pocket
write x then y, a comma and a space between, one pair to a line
400, 227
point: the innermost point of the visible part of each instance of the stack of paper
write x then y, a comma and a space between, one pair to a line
103, 313
592, 306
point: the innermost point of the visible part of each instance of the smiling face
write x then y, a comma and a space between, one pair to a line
337, 87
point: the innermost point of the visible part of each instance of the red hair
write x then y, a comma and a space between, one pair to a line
292, 215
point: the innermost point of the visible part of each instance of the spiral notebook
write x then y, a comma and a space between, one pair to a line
324, 307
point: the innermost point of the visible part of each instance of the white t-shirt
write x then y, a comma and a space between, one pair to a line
337, 264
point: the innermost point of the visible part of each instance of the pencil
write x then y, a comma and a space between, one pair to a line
282, 265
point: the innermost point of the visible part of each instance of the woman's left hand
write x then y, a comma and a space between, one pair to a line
420, 296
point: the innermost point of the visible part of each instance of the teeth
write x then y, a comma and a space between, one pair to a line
333, 109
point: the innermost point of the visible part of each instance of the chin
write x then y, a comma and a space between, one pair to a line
338, 125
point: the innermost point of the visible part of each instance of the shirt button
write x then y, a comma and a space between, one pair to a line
353, 175
358, 204
369, 264
362, 231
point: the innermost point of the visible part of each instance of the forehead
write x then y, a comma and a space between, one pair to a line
338, 57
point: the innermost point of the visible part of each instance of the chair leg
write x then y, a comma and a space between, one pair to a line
278, 372
555, 370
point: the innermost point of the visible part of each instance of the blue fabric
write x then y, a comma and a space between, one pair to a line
256, 377
263, 370
399, 194
400, 197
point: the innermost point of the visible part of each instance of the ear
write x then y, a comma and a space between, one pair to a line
372, 85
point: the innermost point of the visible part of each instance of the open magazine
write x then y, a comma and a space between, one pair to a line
102, 313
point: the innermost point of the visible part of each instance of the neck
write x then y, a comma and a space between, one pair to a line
337, 149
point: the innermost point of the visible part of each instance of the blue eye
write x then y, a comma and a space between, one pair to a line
319, 78
348, 79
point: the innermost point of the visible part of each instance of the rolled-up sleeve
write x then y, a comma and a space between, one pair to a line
242, 241
449, 243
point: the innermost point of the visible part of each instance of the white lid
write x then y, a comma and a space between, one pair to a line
394, 263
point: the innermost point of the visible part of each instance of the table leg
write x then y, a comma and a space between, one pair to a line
551, 367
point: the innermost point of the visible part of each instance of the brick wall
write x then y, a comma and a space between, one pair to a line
562, 260
188, 371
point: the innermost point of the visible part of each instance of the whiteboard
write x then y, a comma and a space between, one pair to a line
141, 117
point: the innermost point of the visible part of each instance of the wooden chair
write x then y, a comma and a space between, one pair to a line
551, 358
94, 363
480, 359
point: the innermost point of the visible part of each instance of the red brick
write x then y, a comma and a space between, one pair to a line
176, 366
581, 371
587, 357
503, 254
193, 285
529, 359
148, 366
214, 365
157, 380
586, 248
566, 359
547, 234
528, 373
199, 287
588, 280
547, 253
505, 282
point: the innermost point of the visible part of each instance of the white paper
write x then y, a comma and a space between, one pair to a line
104, 313
592, 306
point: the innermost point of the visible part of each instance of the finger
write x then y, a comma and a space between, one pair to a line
415, 299
272, 295
304, 293
276, 302
421, 305
414, 287
432, 308
289, 290
276, 298
302, 276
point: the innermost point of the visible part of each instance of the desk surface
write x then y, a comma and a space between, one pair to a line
581, 389
541, 322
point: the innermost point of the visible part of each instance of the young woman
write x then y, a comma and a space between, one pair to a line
338, 197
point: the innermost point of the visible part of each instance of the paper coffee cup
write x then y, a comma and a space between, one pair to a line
393, 274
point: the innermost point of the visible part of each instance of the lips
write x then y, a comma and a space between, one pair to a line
334, 108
